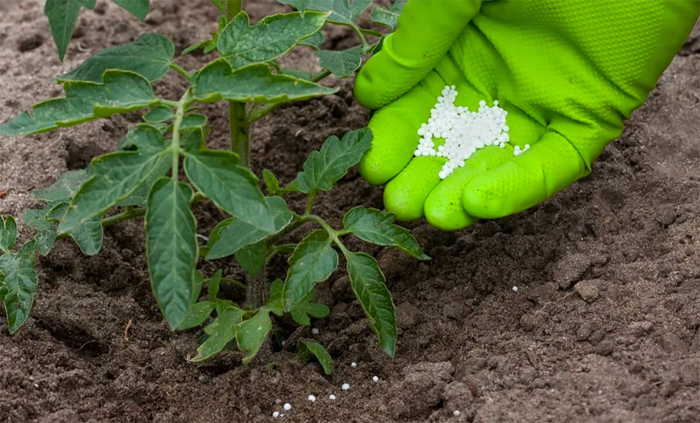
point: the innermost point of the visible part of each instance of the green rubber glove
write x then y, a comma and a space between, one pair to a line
569, 72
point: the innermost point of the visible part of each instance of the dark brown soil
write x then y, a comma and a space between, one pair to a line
604, 326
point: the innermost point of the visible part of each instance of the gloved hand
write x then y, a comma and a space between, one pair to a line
568, 73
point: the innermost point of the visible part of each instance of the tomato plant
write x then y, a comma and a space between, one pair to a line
163, 165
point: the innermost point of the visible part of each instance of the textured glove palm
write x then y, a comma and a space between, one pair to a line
568, 73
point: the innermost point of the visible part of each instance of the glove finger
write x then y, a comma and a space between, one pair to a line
406, 194
443, 206
525, 180
425, 31
394, 129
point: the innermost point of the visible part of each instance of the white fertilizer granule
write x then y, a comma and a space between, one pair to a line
517, 151
464, 132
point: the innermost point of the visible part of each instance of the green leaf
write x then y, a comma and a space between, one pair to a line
315, 41
197, 314
252, 257
89, 236
312, 261
325, 167
223, 305
214, 284
138, 8
193, 140
304, 307
271, 182
296, 73
18, 282
62, 16
145, 137
231, 235
58, 211
206, 45
373, 226
343, 12
65, 188
231, 187
159, 114
368, 283
36, 219
388, 17
8, 233
223, 21
275, 303
256, 83
241, 44
321, 354
171, 247
341, 63
121, 92
194, 120
148, 56
117, 175
221, 332
251, 333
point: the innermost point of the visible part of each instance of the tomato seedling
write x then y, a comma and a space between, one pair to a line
163, 165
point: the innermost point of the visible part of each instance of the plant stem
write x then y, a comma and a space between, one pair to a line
180, 70
365, 45
289, 228
310, 204
234, 282
240, 131
233, 7
335, 235
237, 116
129, 213
182, 105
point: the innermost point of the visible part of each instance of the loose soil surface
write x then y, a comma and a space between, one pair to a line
604, 325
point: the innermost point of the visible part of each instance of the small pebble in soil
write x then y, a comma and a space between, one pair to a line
314, 331
276, 414
345, 386
456, 413
375, 379
312, 398
353, 364
515, 289
332, 397
287, 407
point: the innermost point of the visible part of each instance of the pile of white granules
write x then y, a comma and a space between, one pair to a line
464, 132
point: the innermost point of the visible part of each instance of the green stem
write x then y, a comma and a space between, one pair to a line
180, 70
234, 282
233, 7
332, 233
240, 131
365, 45
289, 228
310, 204
182, 105
128, 214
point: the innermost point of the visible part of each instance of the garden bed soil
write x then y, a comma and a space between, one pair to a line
604, 326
